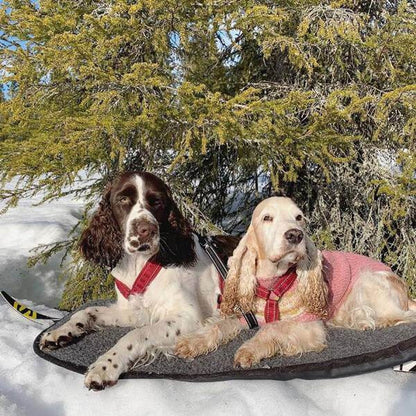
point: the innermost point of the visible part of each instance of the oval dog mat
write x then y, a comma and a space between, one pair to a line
349, 352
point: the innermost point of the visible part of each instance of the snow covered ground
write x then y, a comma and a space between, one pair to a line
33, 387
22, 229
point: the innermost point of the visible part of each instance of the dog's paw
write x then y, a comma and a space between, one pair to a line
193, 346
56, 339
103, 373
185, 349
245, 358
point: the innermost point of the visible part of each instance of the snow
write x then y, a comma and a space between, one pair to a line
22, 229
34, 387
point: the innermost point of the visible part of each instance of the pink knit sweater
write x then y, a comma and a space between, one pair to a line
341, 271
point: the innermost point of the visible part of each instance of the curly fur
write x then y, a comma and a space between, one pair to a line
312, 285
101, 241
231, 296
240, 285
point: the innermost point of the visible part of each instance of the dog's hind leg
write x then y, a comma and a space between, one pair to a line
377, 300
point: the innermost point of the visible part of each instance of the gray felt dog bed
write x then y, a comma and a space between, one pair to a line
349, 352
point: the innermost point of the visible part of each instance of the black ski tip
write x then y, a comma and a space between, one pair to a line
25, 311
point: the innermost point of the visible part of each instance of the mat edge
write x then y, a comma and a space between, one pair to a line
334, 369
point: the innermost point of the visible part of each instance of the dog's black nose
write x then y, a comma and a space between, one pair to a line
294, 236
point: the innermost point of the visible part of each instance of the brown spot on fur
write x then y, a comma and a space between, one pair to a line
109, 360
104, 367
178, 332
115, 365
79, 325
130, 347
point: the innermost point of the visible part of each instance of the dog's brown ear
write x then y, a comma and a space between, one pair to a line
312, 284
240, 285
225, 246
177, 247
176, 221
101, 241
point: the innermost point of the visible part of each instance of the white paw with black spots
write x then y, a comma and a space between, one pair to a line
80, 323
103, 373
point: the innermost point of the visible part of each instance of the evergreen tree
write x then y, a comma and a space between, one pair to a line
228, 101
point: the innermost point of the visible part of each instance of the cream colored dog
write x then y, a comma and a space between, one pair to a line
335, 288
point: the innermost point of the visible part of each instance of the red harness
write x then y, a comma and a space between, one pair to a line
150, 270
285, 282
271, 311
146, 276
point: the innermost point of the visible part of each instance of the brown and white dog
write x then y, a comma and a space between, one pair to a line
340, 289
138, 220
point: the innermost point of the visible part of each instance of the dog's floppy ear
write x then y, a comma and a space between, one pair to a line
178, 223
312, 284
177, 246
240, 285
101, 241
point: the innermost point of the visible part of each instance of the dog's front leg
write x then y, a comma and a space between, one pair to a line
281, 337
137, 346
87, 320
208, 338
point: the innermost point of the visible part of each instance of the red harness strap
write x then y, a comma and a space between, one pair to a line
148, 273
271, 310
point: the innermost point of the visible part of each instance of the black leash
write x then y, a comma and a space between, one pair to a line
209, 247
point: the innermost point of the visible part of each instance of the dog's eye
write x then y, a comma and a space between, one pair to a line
155, 202
299, 217
124, 199
268, 218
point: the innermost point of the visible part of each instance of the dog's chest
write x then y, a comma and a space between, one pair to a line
172, 290
290, 305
